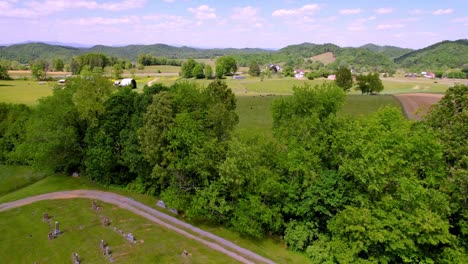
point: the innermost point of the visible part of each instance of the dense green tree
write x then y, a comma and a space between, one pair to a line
448, 122
58, 64
187, 68
208, 71
12, 130
184, 136
369, 84
54, 134
288, 71
105, 143
225, 65
4, 73
344, 79
92, 90
197, 71
117, 71
254, 69
38, 70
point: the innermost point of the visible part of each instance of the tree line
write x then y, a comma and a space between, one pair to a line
337, 188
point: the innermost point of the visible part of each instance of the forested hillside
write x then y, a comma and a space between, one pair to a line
440, 56
25, 53
389, 51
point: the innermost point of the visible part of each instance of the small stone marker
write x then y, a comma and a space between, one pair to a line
75, 174
45, 217
107, 252
174, 211
50, 236
57, 229
94, 205
161, 204
105, 221
75, 258
131, 238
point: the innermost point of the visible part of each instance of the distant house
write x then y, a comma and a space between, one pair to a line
275, 68
126, 82
331, 77
299, 74
429, 75
238, 77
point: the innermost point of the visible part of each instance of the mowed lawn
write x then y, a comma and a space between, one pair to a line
24, 92
26, 238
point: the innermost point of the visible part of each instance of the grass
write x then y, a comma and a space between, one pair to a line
270, 248
255, 111
16, 177
24, 92
82, 231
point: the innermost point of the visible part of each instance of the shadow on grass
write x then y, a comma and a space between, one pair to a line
6, 85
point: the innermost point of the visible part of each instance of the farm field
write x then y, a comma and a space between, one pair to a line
255, 111
76, 212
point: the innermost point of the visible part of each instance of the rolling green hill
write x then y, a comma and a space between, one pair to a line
440, 56
390, 51
25, 53
443, 55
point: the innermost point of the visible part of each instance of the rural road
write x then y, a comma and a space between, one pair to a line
417, 104
217, 243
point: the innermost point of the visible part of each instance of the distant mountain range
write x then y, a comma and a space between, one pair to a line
451, 54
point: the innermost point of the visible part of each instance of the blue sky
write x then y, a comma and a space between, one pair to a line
238, 24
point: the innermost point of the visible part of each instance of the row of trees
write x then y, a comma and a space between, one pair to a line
147, 60
367, 84
337, 188
225, 66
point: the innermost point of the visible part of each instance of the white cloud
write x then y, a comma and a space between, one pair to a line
247, 15
305, 10
169, 1
59, 5
350, 11
100, 21
203, 12
384, 10
359, 24
34, 9
442, 11
460, 20
390, 26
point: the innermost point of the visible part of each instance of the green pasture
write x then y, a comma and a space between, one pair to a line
24, 92
15, 177
255, 111
26, 233
272, 248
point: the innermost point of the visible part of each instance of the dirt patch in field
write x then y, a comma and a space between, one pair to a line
28, 73
325, 58
416, 105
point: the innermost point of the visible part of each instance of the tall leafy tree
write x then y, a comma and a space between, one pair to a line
254, 69
187, 68
4, 73
225, 65
208, 71
38, 70
344, 79
58, 64
197, 71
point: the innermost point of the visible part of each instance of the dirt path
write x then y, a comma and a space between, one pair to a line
416, 105
217, 243
153, 81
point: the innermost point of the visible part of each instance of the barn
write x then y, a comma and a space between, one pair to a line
127, 82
